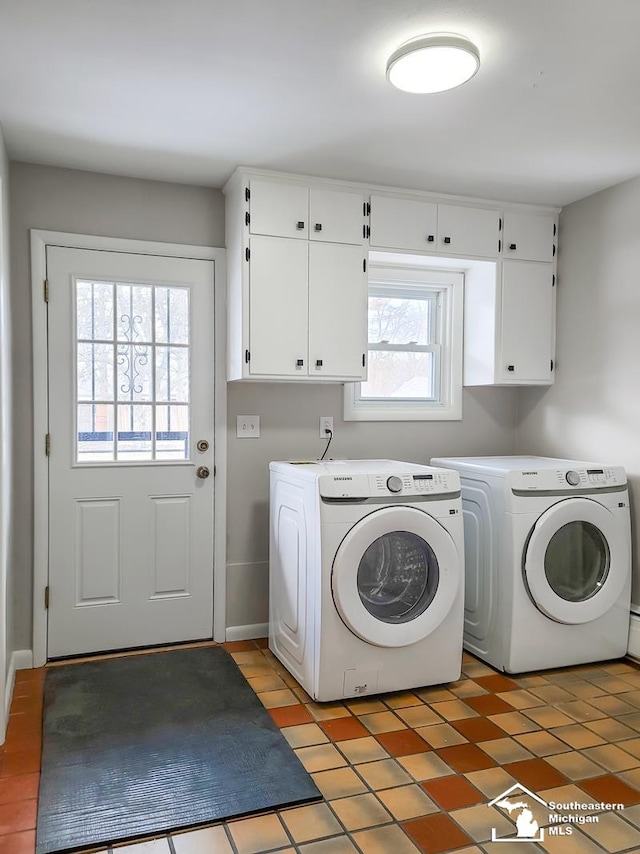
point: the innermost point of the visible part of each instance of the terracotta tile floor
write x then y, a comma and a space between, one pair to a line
407, 772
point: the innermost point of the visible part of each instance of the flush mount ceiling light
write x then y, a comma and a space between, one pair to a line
433, 63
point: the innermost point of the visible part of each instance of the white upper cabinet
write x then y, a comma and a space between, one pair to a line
403, 224
472, 232
409, 224
336, 217
278, 307
529, 237
337, 311
279, 209
526, 323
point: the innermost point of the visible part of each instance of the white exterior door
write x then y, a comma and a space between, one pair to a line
131, 396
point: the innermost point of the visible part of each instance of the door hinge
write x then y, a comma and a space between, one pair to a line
553, 281
247, 253
368, 209
46, 596
47, 444
247, 218
247, 356
552, 364
46, 290
247, 194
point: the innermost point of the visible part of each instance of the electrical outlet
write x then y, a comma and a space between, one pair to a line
326, 423
248, 426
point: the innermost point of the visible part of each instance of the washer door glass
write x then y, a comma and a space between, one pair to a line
577, 561
398, 577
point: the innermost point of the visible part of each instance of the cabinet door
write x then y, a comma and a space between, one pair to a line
278, 306
336, 217
527, 322
529, 237
403, 223
470, 232
337, 311
279, 209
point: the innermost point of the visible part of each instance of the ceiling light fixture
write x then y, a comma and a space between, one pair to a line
433, 63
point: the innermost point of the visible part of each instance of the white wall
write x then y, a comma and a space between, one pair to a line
593, 410
5, 429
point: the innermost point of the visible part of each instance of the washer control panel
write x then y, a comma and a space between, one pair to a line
430, 481
567, 480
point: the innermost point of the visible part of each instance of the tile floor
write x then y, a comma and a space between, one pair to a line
406, 772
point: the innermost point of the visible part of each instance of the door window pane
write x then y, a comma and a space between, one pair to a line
132, 361
576, 562
398, 577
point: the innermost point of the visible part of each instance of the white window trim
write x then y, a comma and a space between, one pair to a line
449, 407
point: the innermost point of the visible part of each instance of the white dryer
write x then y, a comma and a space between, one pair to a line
366, 575
548, 560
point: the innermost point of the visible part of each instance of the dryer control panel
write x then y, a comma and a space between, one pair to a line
400, 484
567, 480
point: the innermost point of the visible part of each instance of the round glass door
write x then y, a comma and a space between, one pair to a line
577, 561
397, 577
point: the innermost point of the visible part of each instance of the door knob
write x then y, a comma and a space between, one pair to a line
203, 472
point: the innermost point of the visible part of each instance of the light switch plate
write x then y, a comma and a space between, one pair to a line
248, 426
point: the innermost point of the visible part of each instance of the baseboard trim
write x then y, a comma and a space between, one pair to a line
257, 630
634, 637
21, 659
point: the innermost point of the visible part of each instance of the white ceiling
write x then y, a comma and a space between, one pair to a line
185, 90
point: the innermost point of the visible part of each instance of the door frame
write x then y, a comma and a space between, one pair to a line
40, 239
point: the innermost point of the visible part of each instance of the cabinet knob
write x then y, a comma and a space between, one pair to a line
447, 240
299, 363
511, 367
513, 246
318, 363
317, 226
430, 238
300, 225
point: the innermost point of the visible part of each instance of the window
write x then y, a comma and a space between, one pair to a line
415, 346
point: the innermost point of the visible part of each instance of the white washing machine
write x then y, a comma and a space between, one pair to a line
366, 575
548, 560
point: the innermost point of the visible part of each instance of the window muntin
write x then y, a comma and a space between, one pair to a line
132, 372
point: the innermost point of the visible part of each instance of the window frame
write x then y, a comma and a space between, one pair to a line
446, 287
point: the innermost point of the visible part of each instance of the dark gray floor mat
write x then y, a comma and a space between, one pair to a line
149, 743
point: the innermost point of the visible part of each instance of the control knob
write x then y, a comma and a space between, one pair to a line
394, 484
573, 478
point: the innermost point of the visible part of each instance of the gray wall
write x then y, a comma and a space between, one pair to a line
593, 410
82, 202
6, 503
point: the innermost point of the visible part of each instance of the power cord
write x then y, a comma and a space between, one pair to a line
330, 432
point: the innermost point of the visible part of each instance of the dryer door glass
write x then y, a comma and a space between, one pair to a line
397, 577
577, 561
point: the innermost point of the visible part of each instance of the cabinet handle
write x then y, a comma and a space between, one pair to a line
430, 238
447, 240
499, 245
318, 363
299, 225
511, 367
318, 226
299, 363
513, 246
